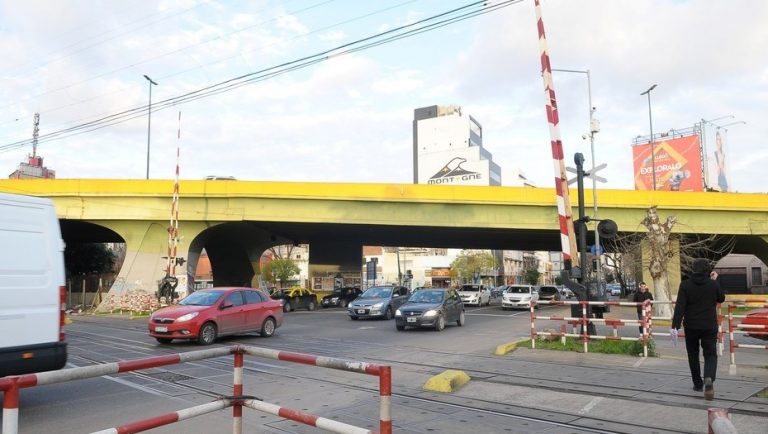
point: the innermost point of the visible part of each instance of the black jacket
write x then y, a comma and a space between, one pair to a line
697, 301
640, 297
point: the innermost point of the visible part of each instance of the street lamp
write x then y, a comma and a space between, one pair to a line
149, 118
650, 142
593, 128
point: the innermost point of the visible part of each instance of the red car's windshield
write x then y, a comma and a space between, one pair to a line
201, 298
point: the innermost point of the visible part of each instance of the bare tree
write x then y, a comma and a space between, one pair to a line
625, 261
662, 246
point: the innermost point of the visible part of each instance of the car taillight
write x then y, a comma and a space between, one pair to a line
62, 311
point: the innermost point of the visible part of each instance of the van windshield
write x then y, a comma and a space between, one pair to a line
517, 290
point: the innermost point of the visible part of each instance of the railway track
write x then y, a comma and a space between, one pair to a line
137, 342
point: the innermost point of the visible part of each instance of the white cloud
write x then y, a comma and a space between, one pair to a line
291, 23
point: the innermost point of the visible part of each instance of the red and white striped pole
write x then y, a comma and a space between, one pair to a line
237, 391
385, 405
173, 226
567, 238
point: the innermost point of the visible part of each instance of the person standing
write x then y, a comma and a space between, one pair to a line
696, 310
640, 296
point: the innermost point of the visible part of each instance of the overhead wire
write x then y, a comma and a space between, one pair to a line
339, 23
168, 53
271, 72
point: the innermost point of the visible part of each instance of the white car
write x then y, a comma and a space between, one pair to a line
519, 297
477, 295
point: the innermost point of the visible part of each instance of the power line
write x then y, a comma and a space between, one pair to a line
162, 77
146, 60
408, 30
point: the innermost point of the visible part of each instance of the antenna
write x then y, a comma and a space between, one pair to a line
35, 131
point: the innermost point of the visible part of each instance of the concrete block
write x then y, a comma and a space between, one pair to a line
447, 382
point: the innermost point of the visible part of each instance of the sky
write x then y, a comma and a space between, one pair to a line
349, 118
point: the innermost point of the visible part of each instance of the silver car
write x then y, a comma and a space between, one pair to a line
519, 296
378, 302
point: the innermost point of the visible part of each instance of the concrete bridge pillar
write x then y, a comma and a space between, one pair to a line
146, 243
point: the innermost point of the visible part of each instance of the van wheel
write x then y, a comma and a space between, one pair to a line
164, 340
399, 327
343, 303
460, 321
268, 328
207, 334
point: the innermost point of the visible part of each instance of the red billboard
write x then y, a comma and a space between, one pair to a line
678, 165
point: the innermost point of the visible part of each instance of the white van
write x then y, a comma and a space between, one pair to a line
32, 291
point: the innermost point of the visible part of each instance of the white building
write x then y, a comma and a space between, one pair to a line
448, 149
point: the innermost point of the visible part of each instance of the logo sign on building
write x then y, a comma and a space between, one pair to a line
455, 167
678, 165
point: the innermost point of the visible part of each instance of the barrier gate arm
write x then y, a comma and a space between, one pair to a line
11, 386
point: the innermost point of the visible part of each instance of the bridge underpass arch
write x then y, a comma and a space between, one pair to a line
77, 235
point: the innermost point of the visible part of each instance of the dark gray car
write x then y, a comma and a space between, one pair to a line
431, 308
378, 302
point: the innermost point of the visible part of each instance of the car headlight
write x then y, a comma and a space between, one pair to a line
377, 306
430, 313
335, 299
187, 317
398, 313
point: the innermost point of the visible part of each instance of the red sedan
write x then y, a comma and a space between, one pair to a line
209, 313
758, 317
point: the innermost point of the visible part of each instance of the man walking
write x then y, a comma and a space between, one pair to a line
640, 296
696, 308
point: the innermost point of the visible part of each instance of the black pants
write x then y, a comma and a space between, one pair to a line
708, 341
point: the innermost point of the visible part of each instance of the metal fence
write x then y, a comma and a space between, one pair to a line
12, 385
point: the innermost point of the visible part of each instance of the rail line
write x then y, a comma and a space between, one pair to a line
330, 347
581, 422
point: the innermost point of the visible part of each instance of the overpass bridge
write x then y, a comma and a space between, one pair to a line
235, 221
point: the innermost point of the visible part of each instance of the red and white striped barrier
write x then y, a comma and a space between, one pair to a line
168, 418
584, 320
305, 418
719, 422
567, 238
735, 327
11, 386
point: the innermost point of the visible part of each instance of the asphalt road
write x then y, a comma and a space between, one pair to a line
525, 392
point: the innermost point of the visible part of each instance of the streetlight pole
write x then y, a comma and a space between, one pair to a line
593, 128
149, 118
650, 142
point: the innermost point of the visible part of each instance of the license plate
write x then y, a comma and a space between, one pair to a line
411, 319
161, 329
361, 311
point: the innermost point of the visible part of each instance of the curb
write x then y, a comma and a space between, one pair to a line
507, 348
447, 382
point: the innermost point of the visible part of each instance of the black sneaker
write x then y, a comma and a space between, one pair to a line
709, 389
698, 388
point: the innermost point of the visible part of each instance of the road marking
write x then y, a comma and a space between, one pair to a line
590, 405
639, 362
365, 328
126, 383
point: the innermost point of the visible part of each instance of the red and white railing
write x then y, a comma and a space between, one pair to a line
12, 385
736, 327
584, 320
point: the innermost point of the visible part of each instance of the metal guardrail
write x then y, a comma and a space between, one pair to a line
12, 385
735, 327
